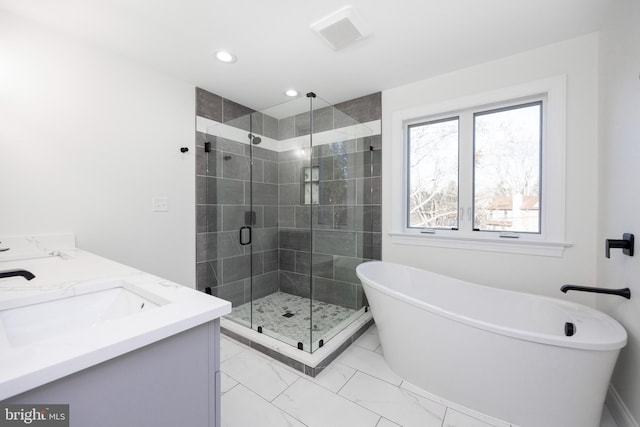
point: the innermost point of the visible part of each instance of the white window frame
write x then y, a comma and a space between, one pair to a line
550, 242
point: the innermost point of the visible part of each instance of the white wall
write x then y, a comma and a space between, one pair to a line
577, 59
619, 199
86, 139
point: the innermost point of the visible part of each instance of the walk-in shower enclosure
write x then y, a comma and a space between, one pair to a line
288, 204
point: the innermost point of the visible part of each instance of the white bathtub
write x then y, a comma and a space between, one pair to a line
499, 352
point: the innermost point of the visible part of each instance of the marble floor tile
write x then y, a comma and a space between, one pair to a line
454, 418
243, 408
393, 403
266, 377
357, 390
368, 362
369, 340
417, 390
316, 406
229, 348
386, 423
334, 377
226, 383
488, 420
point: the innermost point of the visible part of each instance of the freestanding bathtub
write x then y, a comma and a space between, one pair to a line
530, 360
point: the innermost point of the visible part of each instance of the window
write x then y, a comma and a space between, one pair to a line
484, 172
505, 144
507, 169
433, 174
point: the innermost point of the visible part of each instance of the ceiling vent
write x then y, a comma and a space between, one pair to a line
341, 28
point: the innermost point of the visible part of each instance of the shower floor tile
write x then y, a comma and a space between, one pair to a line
288, 317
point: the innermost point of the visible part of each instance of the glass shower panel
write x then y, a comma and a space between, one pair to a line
229, 223
342, 218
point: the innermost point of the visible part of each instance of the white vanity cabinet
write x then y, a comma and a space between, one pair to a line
172, 382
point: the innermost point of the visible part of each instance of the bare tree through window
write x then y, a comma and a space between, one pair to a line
505, 182
433, 174
507, 169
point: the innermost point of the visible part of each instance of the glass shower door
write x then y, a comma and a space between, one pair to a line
228, 214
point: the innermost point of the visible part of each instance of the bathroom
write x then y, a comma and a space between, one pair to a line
90, 135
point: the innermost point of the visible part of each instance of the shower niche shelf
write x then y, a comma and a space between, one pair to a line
311, 185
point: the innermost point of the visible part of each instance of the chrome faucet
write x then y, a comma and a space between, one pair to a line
14, 273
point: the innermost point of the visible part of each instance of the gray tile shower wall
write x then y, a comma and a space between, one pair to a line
326, 241
362, 110
223, 207
214, 107
293, 243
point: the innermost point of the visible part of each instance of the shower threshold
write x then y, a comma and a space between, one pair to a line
284, 321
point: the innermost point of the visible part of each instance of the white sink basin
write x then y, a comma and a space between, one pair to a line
87, 307
82, 310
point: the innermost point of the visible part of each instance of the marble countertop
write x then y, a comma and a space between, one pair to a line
72, 272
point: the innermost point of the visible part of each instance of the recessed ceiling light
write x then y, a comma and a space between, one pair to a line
225, 56
291, 93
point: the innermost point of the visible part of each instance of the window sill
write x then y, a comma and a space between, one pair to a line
522, 246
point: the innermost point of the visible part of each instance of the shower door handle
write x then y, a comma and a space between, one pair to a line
245, 235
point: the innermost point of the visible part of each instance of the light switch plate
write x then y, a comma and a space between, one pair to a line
160, 204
